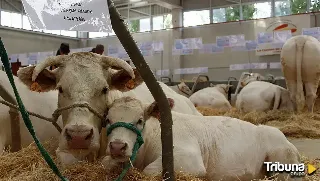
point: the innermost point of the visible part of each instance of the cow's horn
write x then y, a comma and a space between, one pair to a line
117, 62
53, 60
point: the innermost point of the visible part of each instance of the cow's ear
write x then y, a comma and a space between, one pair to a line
123, 82
153, 109
46, 80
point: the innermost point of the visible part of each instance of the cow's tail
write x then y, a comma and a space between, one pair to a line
277, 99
300, 99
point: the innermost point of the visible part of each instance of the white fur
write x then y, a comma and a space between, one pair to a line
263, 96
40, 103
182, 89
217, 147
300, 59
182, 103
215, 97
88, 78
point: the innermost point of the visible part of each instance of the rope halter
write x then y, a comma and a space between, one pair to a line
137, 145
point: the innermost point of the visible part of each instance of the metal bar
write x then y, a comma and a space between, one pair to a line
308, 5
273, 8
146, 14
241, 10
232, 1
137, 6
211, 12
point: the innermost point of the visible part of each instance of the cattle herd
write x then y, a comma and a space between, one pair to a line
216, 147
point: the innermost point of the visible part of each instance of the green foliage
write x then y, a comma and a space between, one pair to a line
233, 13
134, 26
315, 5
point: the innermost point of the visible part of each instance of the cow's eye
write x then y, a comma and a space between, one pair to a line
105, 90
140, 121
60, 90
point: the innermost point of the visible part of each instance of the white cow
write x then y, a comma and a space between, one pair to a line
44, 104
262, 96
300, 59
182, 89
141, 92
215, 97
217, 147
88, 79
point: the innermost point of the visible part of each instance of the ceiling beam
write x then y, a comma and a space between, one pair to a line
165, 4
140, 12
12, 5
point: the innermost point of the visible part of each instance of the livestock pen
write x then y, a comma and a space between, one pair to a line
179, 39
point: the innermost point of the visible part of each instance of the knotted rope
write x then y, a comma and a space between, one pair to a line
58, 112
137, 145
24, 113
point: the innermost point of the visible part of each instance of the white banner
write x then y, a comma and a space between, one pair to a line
44, 55
315, 32
275, 65
237, 40
188, 43
23, 58
158, 46
281, 36
70, 15
191, 70
291, 23
165, 72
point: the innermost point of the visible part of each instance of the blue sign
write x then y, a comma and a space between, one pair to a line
311, 32
251, 45
239, 48
223, 41
217, 49
265, 37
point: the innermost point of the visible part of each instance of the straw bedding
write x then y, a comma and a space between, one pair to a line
303, 125
28, 164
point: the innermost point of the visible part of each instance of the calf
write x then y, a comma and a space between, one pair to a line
258, 95
215, 97
217, 147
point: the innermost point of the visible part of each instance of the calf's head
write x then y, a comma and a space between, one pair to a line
250, 78
130, 111
81, 78
184, 88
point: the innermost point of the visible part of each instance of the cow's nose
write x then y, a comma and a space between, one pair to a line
118, 148
79, 138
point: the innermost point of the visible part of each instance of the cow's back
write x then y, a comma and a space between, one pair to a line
43, 104
210, 96
310, 66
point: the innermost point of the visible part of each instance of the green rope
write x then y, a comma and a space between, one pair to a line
24, 113
137, 145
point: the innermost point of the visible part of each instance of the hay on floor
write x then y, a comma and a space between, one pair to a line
304, 125
28, 165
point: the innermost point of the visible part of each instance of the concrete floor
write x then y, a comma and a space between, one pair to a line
307, 147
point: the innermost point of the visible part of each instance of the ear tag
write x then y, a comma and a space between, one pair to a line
35, 87
130, 84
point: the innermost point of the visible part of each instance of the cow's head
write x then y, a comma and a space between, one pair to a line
250, 78
81, 78
223, 88
184, 88
129, 110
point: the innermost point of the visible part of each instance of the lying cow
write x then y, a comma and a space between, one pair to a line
141, 92
217, 147
43, 104
262, 96
182, 89
215, 97
88, 79
300, 60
